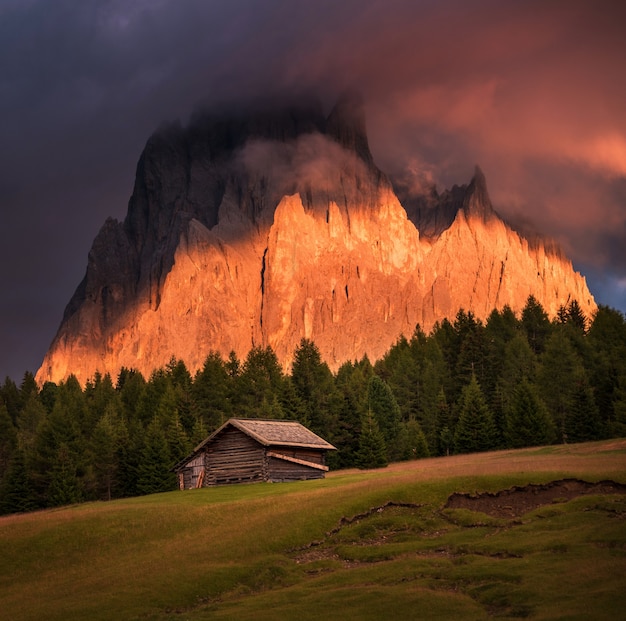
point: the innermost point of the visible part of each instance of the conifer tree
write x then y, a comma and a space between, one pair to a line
178, 443
560, 371
16, 492
130, 448
58, 456
315, 386
527, 420
8, 439
153, 472
372, 451
475, 429
66, 487
582, 422
535, 324
131, 386
11, 397
211, 392
291, 405
105, 452
352, 381
445, 426
412, 441
29, 420
382, 403
607, 342
260, 378
618, 424
472, 348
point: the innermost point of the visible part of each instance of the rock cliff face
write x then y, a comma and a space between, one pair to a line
264, 228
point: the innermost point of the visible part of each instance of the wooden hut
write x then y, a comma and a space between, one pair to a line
246, 450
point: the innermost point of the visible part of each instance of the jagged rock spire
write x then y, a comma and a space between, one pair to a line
476, 202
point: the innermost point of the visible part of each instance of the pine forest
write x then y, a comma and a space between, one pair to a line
511, 382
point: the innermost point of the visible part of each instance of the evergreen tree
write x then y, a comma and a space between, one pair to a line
260, 379
475, 429
233, 365
153, 472
386, 412
30, 418
445, 425
372, 451
178, 443
98, 393
11, 397
211, 392
582, 422
444, 335
105, 445
472, 348
48, 395
8, 439
607, 343
560, 371
576, 317
59, 452
291, 405
519, 364
618, 424
315, 386
131, 386
16, 492
412, 441
28, 387
352, 381
535, 324
150, 401
66, 486
501, 329
527, 421
399, 368
129, 452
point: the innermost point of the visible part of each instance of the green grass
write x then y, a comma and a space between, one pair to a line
244, 552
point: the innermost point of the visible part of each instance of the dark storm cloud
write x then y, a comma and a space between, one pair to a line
532, 91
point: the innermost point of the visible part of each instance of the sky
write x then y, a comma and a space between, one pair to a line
533, 92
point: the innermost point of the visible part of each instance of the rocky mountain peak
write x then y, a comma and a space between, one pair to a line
261, 227
476, 201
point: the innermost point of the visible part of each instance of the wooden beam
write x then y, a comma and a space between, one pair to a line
302, 462
200, 479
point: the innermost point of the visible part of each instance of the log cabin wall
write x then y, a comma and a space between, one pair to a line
280, 471
316, 457
234, 457
191, 476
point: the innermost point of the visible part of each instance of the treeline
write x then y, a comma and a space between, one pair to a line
467, 386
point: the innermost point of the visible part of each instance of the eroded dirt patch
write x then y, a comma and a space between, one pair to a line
518, 500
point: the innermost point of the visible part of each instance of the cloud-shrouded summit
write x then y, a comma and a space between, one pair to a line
276, 226
533, 92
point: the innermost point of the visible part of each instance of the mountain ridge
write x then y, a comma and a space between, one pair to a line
262, 230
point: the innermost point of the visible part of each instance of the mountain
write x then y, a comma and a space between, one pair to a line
259, 228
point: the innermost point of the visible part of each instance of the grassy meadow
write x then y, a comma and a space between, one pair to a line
296, 551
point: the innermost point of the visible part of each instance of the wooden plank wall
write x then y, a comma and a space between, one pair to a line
192, 472
234, 457
280, 471
317, 457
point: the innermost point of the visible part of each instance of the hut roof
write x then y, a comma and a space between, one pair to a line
280, 433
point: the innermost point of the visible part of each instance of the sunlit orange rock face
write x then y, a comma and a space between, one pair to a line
264, 229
